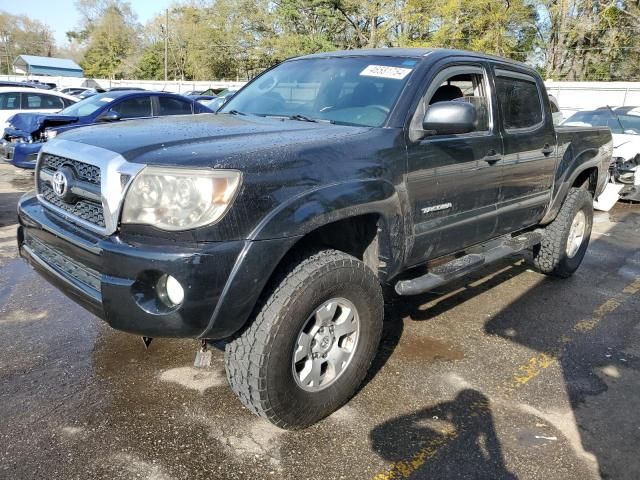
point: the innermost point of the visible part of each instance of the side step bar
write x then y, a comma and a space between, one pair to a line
478, 257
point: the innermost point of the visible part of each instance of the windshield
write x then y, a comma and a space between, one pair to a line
618, 123
345, 90
88, 105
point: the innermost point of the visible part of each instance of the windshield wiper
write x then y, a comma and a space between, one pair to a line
304, 118
235, 112
297, 116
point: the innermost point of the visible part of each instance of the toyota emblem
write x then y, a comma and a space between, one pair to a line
59, 184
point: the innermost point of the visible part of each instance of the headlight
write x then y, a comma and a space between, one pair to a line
179, 199
49, 134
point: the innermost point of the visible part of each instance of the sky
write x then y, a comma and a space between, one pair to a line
61, 15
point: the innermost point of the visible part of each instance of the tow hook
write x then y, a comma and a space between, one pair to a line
203, 356
147, 341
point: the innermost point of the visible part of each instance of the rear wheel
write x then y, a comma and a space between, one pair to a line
566, 239
311, 343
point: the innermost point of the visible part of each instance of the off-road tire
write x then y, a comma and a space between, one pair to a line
258, 360
550, 256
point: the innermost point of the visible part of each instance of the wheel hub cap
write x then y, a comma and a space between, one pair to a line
326, 344
576, 234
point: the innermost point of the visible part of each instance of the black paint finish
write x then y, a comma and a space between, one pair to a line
299, 176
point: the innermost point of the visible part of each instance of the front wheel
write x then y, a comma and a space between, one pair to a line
310, 345
566, 239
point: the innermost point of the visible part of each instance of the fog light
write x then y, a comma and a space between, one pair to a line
170, 290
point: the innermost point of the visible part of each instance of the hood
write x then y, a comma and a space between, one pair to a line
205, 139
30, 124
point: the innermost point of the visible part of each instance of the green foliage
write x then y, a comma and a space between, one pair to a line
236, 39
151, 64
505, 28
111, 39
591, 39
19, 35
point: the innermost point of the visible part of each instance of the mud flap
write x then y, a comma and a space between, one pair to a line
203, 356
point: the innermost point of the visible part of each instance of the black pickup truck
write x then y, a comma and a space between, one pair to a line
277, 223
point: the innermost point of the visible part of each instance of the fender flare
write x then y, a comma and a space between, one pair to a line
280, 230
585, 160
320, 206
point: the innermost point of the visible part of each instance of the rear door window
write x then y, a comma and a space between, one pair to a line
133, 107
173, 106
519, 99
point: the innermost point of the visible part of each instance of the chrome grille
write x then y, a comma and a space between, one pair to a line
84, 209
79, 206
99, 179
84, 171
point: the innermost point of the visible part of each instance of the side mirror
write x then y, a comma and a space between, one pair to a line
450, 118
109, 116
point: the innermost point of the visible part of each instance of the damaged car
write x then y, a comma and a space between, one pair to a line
26, 133
624, 123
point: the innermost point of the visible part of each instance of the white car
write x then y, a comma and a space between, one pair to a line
73, 91
32, 100
624, 123
556, 114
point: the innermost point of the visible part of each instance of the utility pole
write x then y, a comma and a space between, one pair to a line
166, 42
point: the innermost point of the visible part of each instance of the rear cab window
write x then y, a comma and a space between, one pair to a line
520, 100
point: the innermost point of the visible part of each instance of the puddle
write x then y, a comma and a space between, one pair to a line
427, 348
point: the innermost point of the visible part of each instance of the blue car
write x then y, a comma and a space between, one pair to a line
26, 132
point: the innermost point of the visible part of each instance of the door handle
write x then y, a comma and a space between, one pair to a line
547, 150
492, 157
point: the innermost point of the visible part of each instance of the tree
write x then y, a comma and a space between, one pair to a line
110, 35
502, 27
591, 39
20, 35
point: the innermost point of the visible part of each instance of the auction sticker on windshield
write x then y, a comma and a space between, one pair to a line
382, 71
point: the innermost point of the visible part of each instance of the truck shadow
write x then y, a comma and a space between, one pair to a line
453, 439
593, 346
599, 368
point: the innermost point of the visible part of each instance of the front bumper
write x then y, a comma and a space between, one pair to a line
25, 155
115, 279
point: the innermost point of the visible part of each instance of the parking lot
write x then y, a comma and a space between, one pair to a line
506, 374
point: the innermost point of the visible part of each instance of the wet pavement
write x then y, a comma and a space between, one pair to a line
507, 374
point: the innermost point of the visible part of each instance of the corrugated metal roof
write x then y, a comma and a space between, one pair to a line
34, 61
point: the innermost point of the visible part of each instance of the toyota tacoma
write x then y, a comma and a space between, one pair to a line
276, 224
